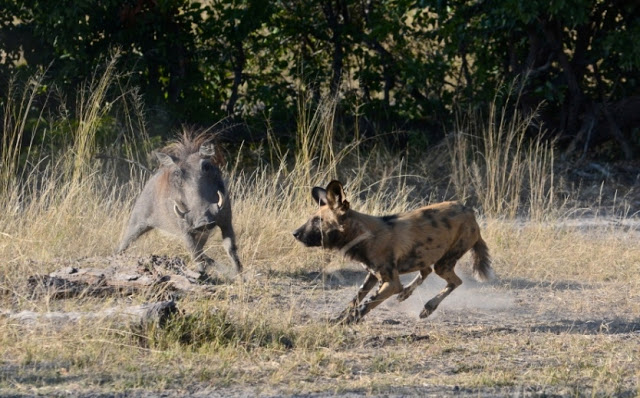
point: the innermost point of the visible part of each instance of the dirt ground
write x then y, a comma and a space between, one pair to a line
509, 337
505, 312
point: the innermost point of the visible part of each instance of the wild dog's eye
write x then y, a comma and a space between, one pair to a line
207, 167
316, 220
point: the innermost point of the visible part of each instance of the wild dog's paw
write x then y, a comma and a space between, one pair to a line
346, 317
404, 294
428, 309
338, 320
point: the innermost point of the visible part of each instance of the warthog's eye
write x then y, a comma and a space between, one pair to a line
177, 177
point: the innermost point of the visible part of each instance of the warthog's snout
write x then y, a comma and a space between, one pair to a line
206, 222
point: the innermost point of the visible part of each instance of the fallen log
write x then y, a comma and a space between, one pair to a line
130, 317
161, 276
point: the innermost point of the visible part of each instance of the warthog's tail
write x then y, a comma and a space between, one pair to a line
482, 270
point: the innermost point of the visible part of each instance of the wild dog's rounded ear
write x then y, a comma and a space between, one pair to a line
336, 197
164, 159
319, 196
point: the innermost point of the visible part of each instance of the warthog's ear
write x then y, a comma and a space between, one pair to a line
319, 196
165, 159
336, 197
207, 150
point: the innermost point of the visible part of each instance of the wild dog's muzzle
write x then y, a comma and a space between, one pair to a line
308, 239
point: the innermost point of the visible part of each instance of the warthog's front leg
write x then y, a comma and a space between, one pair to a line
368, 284
195, 244
229, 244
135, 229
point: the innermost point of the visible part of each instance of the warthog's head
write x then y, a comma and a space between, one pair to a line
194, 186
326, 227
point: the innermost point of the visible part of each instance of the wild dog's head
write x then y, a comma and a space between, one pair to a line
326, 227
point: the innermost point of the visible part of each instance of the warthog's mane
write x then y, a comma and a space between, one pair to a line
190, 141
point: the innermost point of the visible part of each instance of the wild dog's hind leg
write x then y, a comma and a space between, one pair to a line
444, 268
368, 284
417, 281
390, 285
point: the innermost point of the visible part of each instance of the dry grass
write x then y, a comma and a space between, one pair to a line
561, 319
492, 161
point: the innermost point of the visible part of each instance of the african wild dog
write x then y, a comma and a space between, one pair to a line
392, 245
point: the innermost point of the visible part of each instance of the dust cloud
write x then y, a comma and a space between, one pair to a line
471, 295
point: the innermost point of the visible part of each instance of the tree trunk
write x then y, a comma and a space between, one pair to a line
575, 98
337, 41
238, 68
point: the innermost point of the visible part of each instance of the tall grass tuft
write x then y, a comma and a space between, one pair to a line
15, 120
314, 136
63, 199
495, 162
217, 329
318, 156
91, 109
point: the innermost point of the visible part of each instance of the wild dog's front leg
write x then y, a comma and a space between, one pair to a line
368, 284
389, 286
417, 281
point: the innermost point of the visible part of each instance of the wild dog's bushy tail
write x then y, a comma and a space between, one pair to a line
482, 270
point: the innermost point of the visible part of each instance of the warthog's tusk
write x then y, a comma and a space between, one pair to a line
178, 210
220, 200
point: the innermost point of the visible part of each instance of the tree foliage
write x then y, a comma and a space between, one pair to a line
402, 65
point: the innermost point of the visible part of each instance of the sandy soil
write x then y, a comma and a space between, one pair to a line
527, 327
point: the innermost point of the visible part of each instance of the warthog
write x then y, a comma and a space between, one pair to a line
398, 244
186, 197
